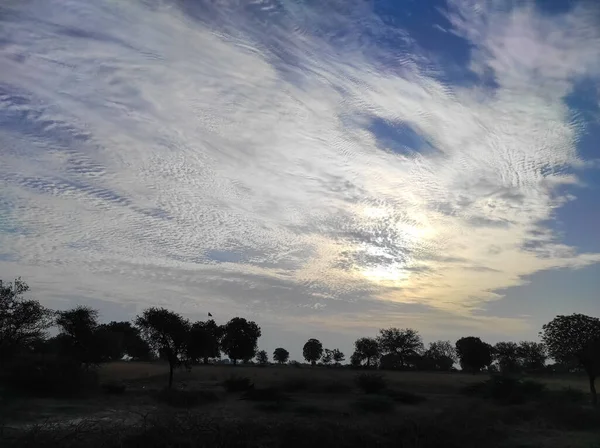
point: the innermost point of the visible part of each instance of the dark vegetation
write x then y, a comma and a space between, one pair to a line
395, 391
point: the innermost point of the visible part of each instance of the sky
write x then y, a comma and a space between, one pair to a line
325, 168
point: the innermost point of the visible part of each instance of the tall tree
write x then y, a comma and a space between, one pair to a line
281, 355
79, 338
338, 356
506, 354
473, 353
312, 350
23, 322
262, 358
401, 344
166, 332
575, 338
204, 341
240, 338
365, 349
122, 338
440, 355
532, 356
327, 357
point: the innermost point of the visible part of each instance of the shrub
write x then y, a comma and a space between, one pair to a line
379, 404
185, 398
113, 388
237, 384
334, 387
370, 383
404, 397
506, 389
296, 364
266, 394
294, 384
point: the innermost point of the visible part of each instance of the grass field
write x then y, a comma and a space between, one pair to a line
304, 406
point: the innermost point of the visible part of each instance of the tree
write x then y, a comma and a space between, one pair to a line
327, 357
262, 358
441, 355
506, 354
281, 355
166, 332
79, 338
240, 338
365, 349
312, 350
338, 356
204, 341
575, 338
473, 353
401, 343
532, 356
121, 338
23, 322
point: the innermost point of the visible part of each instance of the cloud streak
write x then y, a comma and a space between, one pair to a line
224, 153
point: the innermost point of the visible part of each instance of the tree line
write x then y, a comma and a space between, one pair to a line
573, 342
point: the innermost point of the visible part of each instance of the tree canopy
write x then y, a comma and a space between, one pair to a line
281, 355
240, 338
365, 350
473, 353
312, 351
402, 344
204, 341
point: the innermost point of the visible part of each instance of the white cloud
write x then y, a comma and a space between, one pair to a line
138, 142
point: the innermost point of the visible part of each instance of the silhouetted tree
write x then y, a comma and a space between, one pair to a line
166, 332
473, 353
365, 349
506, 354
327, 357
281, 355
79, 338
262, 357
441, 355
23, 322
532, 356
400, 345
204, 341
338, 356
240, 338
312, 351
575, 338
121, 338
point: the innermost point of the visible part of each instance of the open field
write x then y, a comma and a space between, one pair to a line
295, 407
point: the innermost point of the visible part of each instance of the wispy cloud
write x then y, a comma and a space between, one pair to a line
224, 153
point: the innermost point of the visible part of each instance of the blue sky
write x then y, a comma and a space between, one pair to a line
324, 168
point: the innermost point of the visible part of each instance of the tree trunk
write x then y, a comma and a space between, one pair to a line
593, 389
171, 366
313, 363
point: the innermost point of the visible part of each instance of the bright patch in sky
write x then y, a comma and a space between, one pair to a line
343, 164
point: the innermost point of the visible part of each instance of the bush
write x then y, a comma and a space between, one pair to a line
266, 394
114, 388
370, 383
506, 390
334, 387
296, 364
294, 384
379, 404
185, 398
55, 377
404, 397
237, 384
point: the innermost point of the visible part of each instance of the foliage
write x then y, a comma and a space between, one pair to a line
404, 397
113, 388
365, 349
185, 398
240, 338
506, 354
281, 355
440, 356
327, 357
79, 337
575, 338
166, 332
404, 344
532, 356
237, 384
473, 353
312, 351
370, 383
506, 389
378, 404
296, 384
204, 341
338, 356
262, 358
23, 322
264, 394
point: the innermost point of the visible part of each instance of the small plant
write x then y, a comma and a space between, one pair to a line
378, 404
185, 398
237, 384
370, 383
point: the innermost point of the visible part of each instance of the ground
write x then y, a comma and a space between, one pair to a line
324, 399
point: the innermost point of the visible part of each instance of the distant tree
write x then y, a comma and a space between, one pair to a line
338, 356
532, 356
365, 349
204, 341
121, 338
506, 354
23, 322
473, 353
312, 351
79, 338
281, 355
402, 344
327, 357
575, 338
166, 332
262, 358
441, 355
356, 359
240, 338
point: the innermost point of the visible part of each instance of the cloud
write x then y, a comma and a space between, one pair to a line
225, 154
